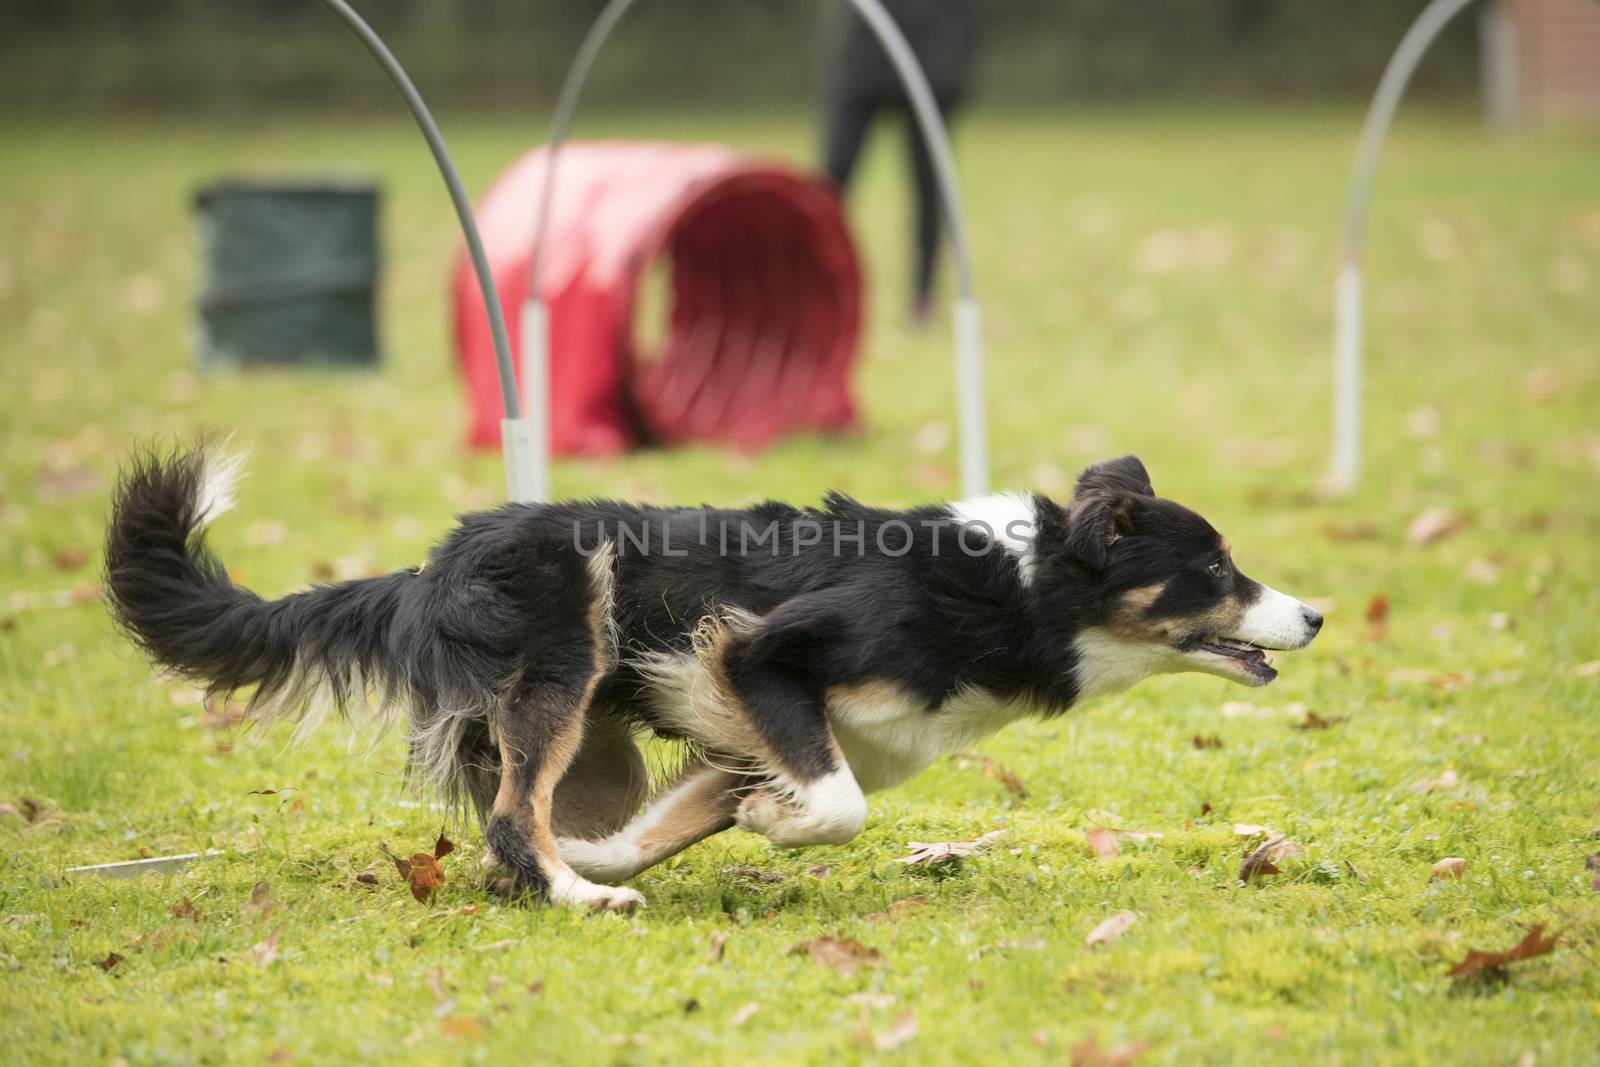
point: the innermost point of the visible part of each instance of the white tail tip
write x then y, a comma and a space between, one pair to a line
217, 481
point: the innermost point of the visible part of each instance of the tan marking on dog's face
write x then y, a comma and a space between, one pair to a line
1130, 617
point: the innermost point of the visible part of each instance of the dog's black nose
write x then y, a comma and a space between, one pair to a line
1313, 619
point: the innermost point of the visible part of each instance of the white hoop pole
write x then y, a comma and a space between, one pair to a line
968, 322
1348, 294
515, 436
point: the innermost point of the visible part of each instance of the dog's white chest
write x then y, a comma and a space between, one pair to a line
887, 736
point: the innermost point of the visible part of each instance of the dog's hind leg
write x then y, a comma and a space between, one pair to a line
540, 732
699, 803
539, 738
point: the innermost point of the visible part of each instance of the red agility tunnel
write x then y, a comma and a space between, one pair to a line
763, 313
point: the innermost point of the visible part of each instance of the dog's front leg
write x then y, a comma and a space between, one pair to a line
811, 797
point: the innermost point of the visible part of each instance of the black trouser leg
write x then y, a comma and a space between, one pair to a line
848, 121
929, 206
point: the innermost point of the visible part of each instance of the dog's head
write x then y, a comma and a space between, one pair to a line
1167, 596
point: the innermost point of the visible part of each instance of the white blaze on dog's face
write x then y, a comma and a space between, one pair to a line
1170, 598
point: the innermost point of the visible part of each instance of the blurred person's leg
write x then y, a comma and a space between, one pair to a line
929, 213
848, 120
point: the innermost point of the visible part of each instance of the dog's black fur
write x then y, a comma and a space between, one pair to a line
502, 636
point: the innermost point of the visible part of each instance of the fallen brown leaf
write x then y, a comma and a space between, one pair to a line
1263, 861
422, 871
443, 847
1451, 867
1354, 530
463, 1028
1434, 525
819, 871
903, 1029
932, 854
262, 953
70, 558
844, 954
1204, 741
1110, 929
1313, 721
1102, 842
1486, 966
111, 960
1088, 1053
994, 771
897, 909
1377, 617
185, 909
259, 906
1447, 780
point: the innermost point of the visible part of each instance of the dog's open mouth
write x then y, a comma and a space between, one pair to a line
1246, 662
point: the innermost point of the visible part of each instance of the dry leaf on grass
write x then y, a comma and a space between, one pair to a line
742, 1016
819, 871
993, 770
1264, 860
897, 909
844, 954
1102, 842
903, 1029
185, 909
110, 962
70, 558
422, 871
1451, 867
259, 906
1313, 721
1088, 1053
464, 1028
262, 953
1434, 525
1447, 780
1377, 616
1204, 741
932, 854
1492, 966
1111, 929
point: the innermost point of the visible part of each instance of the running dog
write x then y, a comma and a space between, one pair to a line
809, 656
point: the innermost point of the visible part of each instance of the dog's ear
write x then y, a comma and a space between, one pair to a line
1125, 475
1096, 520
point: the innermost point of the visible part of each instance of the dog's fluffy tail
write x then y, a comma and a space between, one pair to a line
305, 653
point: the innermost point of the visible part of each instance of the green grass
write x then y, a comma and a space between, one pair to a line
1156, 282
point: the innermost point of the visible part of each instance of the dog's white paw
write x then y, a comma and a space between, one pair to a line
579, 893
829, 811
760, 813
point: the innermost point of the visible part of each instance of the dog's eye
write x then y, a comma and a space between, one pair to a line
1217, 569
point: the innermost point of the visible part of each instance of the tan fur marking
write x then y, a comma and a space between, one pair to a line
604, 787
704, 808
1127, 618
1129, 621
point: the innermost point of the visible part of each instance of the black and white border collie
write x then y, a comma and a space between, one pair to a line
808, 656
